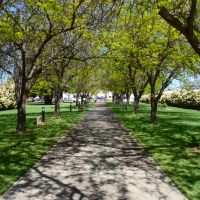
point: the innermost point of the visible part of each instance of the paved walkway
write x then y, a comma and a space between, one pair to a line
99, 160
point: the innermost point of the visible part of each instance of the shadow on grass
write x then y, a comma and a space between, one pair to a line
98, 160
174, 142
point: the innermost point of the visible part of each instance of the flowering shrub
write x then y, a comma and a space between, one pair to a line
183, 99
145, 98
7, 96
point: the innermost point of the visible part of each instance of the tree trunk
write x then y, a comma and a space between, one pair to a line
82, 102
121, 99
48, 99
117, 99
58, 95
127, 100
21, 90
136, 105
113, 98
57, 108
21, 114
154, 105
77, 96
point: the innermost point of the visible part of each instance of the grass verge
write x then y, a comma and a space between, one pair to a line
174, 143
20, 152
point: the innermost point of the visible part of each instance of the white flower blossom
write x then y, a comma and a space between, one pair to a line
184, 99
7, 96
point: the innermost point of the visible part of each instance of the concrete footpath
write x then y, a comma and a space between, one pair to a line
98, 160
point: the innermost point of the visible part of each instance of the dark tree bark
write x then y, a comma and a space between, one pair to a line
138, 85
113, 98
21, 114
118, 99
154, 106
48, 99
188, 28
77, 97
127, 100
22, 87
82, 101
138, 92
136, 104
59, 70
121, 99
155, 96
58, 96
152, 77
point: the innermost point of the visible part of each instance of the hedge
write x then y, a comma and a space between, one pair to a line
183, 99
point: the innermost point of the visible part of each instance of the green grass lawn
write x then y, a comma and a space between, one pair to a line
19, 152
173, 142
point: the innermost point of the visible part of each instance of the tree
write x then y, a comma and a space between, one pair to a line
168, 58
28, 28
123, 43
138, 35
84, 83
168, 52
61, 64
42, 87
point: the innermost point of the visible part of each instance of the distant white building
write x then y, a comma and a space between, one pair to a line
68, 97
109, 96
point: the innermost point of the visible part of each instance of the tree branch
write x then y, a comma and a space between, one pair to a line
6, 70
190, 19
167, 81
188, 29
164, 13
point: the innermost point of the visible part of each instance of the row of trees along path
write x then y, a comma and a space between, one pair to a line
131, 46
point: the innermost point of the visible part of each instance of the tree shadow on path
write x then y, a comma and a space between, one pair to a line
98, 160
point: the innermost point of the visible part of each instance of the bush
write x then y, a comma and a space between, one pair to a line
7, 96
183, 99
145, 98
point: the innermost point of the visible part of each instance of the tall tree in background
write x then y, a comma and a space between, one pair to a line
68, 42
42, 87
83, 84
124, 42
